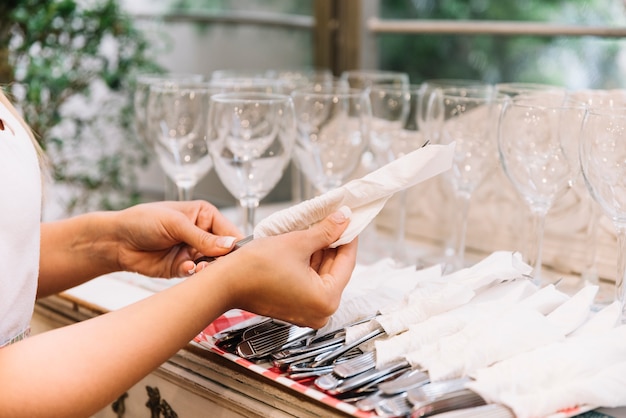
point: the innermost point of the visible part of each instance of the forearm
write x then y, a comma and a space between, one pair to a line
75, 250
79, 369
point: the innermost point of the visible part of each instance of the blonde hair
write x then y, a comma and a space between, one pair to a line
44, 162
7, 103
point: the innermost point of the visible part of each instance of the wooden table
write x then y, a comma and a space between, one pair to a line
195, 382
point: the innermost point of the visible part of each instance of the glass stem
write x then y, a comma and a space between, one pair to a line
399, 247
590, 273
538, 218
184, 192
620, 294
460, 229
249, 211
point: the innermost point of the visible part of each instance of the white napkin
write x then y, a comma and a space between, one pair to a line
485, 342
487, 303
374, 286
440, 294
365, 196
590, 369
498, 266
545, 300
604, 320
451, 291
424, 302
573, 313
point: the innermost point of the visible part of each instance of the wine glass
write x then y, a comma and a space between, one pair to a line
537, 147
593, 98
333, 126
230, 73
362, 79
602, 156
393, 134
250, 137
250, 84
429, 118
176, 122
299, 78
515, 89
140, 103
468, 119
303, 78
140, 97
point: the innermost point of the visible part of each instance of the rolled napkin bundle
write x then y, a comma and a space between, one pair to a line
604, 320
498, 266
517, 329
374, 286
451, 291
438, 294
365, 196
486, 341
485, 304
573, 313
588, 368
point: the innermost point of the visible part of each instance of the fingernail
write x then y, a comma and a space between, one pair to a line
342, 215
191, 272
225, 242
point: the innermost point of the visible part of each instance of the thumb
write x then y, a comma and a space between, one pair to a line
205, 242
329, 230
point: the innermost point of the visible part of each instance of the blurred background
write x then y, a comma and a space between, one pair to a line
70, 65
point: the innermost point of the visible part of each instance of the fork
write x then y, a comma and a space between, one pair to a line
433, 390
357, 365
396, 406
451, 401
264, 344
327, 358
238, 244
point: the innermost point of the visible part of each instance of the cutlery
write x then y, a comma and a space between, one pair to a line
369, 377
264, 344
340, 331
264, 328
360, 364
285, 354
327, 358
451, 401
433, 390
230, 337
409, 380
283, 362
396, 406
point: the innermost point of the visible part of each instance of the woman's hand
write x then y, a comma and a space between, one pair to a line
162, 239
295, 276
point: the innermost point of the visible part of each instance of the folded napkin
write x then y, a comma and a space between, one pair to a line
545, 300
580, 370
487, 341
438, 294
374, 286
498, 266
365, 196
488, 303
451, 291
604, 320
573, 313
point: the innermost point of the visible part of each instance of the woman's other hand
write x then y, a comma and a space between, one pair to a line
295, 277
163, 239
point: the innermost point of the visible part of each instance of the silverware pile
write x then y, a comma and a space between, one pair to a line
347, 372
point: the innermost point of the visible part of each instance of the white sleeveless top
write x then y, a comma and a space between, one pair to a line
20, 215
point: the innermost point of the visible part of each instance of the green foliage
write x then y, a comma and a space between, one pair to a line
72, 68
501, 59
